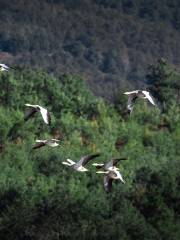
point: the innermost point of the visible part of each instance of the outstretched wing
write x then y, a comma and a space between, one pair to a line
48, 118
45, 115
132, 92
116, 160
4, 66
84, 160
149, 97
131, 100
99, 166
113, 162
107, 183
30, 113
118, 174
38, 145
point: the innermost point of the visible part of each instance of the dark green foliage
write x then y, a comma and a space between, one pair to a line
42, 199
164, 83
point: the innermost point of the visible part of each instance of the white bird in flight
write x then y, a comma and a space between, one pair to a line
132, 96
49, 142
109, 177
36, 108
111, 165
79, 166
4, 67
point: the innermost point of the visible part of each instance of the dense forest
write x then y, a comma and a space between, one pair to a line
40, 199
109, 43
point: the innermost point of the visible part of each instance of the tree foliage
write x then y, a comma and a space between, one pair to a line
42, 199
110, 42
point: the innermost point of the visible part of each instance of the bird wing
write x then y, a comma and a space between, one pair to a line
99, 166
3, 69
55, 140
113, 162
45, 115
107, 183
132, 92
30, 113
52, 143
149, 97
116, 160
131, 100
39, 145
4, 65
118, 174
30, 105
84, 160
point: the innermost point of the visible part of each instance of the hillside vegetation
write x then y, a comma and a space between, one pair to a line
42, 199
108, 42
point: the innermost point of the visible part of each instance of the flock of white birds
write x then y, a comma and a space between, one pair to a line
109, 169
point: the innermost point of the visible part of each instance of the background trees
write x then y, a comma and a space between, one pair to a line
42, 199
108, 42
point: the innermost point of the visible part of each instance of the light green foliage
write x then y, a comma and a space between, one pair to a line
43, 199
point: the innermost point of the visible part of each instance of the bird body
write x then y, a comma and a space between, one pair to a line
108, 166
133, 95
111, 172
36, 108
49, 142
79, 166
109, 177
75, 166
